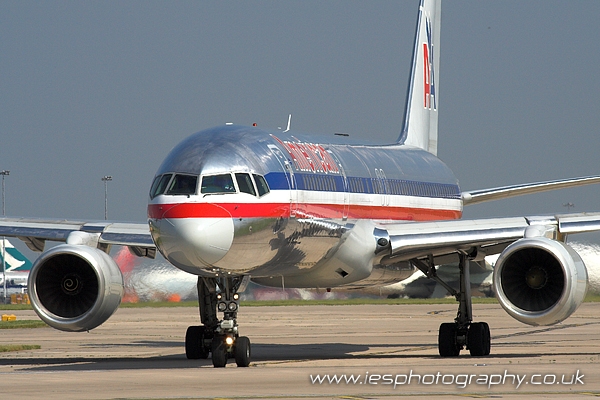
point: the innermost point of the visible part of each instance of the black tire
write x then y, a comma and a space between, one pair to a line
219, 353
242, 351
478, 339
488, 339
194, 348
447, 345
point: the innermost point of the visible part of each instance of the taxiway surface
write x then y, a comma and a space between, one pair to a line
388, 350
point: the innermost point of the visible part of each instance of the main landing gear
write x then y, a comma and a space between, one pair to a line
218, 337
461, 333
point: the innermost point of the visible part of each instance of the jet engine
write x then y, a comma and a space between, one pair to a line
75, 288
540, 281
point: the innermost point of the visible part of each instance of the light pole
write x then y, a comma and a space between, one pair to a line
4, 174
106, 179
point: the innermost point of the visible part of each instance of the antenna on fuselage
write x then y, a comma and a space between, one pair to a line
289, 125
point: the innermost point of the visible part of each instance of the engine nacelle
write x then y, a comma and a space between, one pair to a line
540, 281
75, 288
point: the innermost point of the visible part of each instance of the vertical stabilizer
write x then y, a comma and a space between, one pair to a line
15, 260
421, 113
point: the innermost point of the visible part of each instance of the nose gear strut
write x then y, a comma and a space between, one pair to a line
220, 338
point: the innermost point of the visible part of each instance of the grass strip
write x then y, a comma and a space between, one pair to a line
15, 307
590, 298
28, 323
4, 348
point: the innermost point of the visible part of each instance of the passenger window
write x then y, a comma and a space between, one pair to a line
217, 184
261, 185
159, 185
183, 185
245, 184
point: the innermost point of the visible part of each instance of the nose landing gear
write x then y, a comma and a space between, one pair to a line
220, 338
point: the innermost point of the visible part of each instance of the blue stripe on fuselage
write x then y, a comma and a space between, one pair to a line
331, 183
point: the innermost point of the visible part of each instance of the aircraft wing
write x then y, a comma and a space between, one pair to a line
478, 238
35, 232
503, 192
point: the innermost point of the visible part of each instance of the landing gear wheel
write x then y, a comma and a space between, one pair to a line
242, 351
478, 339
447, 345
219, 353
194, 343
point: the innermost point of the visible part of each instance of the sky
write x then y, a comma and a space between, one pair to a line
95, 88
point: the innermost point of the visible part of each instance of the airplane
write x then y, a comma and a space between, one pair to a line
234, 204
17, 267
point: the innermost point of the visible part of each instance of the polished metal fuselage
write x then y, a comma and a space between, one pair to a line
317, 227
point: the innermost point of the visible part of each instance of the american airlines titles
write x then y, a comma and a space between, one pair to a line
310, 157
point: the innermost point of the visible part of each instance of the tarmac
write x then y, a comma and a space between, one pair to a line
299, 352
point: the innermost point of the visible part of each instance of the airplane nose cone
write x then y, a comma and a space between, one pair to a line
209, 238
191, 241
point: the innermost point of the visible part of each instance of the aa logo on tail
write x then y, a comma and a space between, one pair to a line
429, 91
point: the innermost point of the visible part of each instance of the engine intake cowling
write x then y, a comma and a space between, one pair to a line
540, 281
75, 288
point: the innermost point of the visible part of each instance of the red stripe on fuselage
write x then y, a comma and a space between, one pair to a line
276, 210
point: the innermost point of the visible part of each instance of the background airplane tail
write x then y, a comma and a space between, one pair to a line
15, 260
420, 126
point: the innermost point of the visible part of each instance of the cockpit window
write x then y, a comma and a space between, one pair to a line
261, 185
159, 185
183, 185
245, 184
217, 184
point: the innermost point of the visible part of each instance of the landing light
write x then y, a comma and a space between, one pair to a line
232, 306
229, 340
236, 296
222, 306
